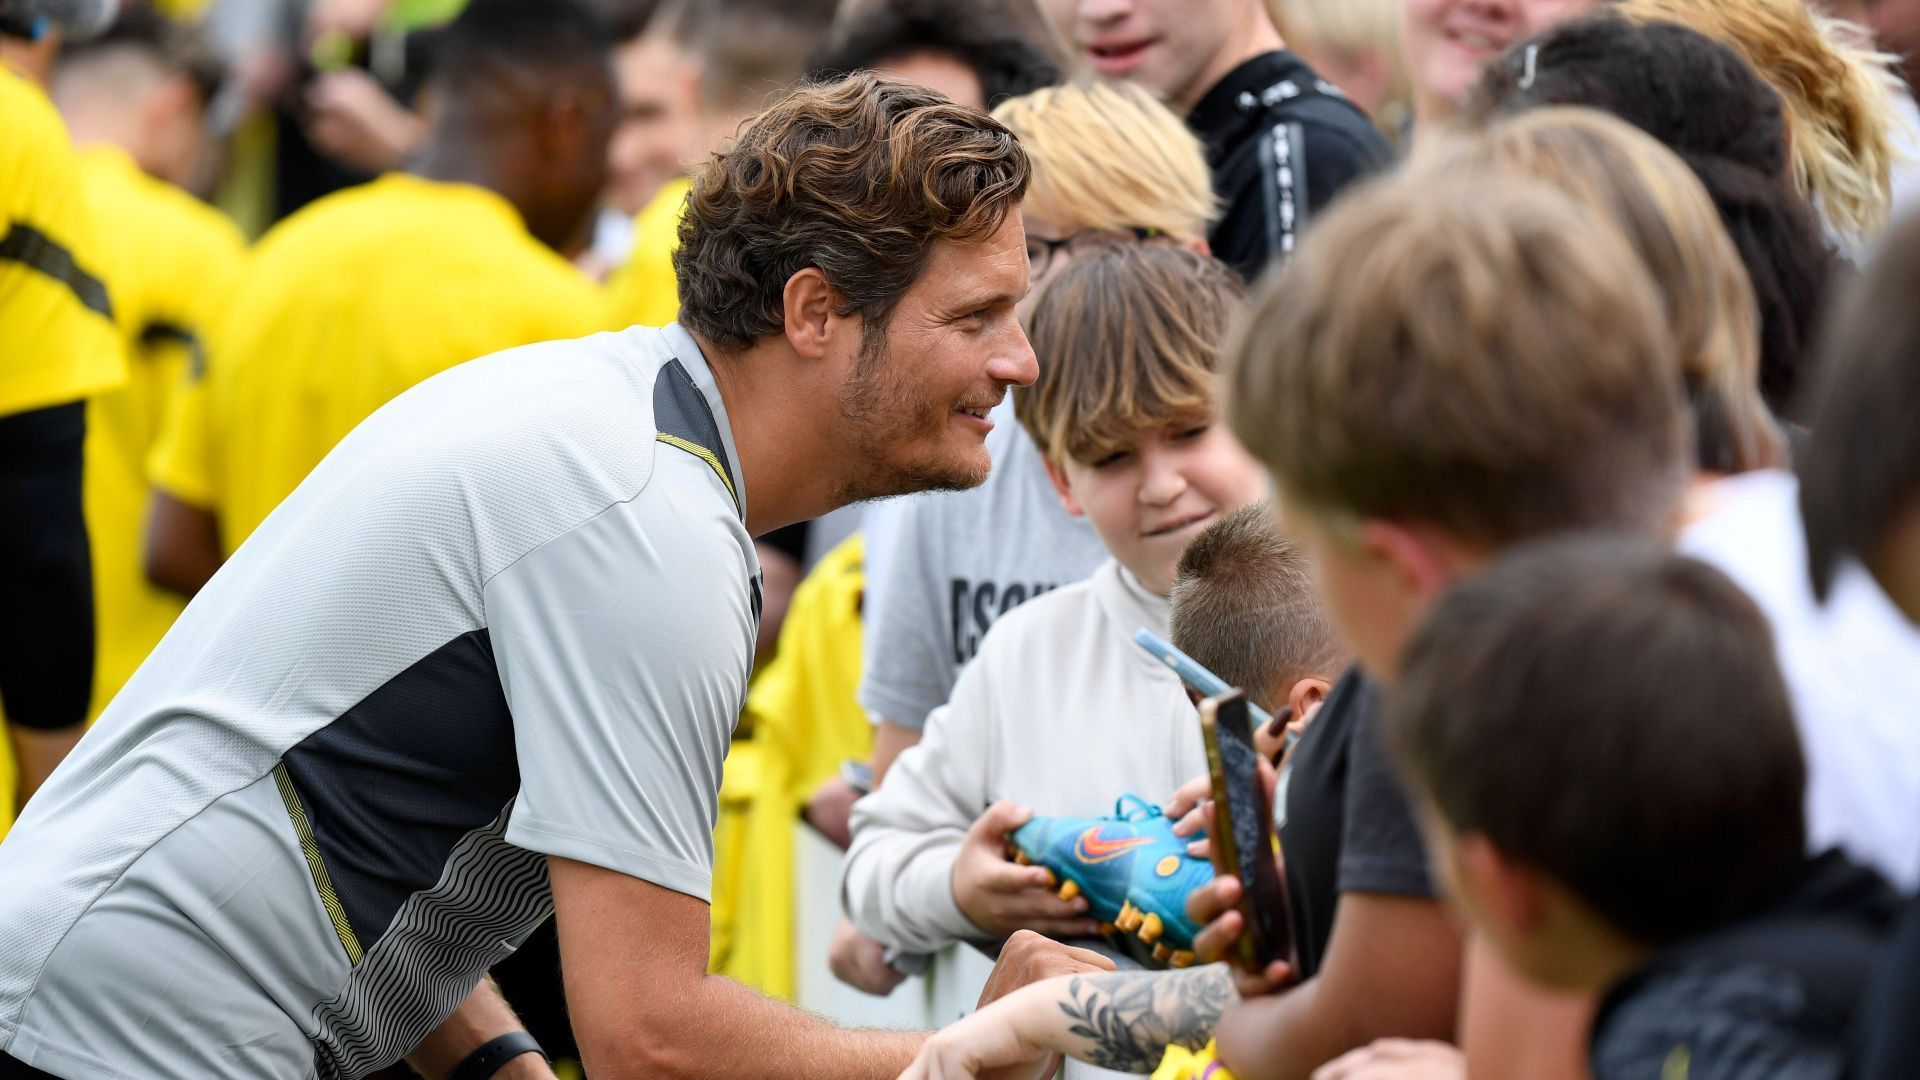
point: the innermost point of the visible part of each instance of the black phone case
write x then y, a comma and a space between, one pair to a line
1243, 812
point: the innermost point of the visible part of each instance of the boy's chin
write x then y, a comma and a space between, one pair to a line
1155, 574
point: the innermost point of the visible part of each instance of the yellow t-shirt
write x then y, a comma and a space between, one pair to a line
645, 291
170, 262
805, 723
57, 341
1186, 1065
345, 305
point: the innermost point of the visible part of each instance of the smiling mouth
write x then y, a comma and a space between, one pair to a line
1176, 526
1477, 42
978, 413
1125, 51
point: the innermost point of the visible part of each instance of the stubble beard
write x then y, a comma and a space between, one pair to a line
896, 439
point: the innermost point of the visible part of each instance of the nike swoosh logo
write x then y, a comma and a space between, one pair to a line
1090, 848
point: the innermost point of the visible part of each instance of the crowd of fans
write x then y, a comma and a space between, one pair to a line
1510, 396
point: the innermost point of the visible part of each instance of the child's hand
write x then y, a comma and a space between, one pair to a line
1397, 1059
1270, 741
861, 962
1191, 809
1000, 896
988, 1043
1215, 906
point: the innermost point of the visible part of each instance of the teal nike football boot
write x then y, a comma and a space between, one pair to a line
1134, 872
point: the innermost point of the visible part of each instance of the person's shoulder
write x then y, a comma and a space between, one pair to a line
1280, 87
607, 373
37, 161
658, 222
1354, 696
170, 219
32, 121
205, 228
1054, 610
1713, 1022
328, 229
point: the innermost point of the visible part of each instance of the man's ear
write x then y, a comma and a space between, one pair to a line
563, 125
1064, 489
809, 304
1509, 894
1307, 694
1417, 564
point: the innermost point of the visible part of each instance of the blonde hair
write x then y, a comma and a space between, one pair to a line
1129, 340
1352, 29
1478, 354
1670, 221
1106, 155
1837, 97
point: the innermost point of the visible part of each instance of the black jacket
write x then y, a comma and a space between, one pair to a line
1772, 998
1281, 143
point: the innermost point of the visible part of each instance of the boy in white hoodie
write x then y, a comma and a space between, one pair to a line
1060, 713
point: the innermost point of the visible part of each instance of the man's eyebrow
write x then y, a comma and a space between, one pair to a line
1000, 298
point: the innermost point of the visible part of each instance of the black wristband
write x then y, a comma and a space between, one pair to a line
496, 1052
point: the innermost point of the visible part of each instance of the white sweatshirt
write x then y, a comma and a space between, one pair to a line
1060, 711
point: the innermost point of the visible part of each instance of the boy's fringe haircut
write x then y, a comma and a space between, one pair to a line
1129, 340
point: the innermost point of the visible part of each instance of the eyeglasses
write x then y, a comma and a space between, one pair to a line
1042, 253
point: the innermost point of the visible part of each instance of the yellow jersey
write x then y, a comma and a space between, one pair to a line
645, 291
57, 341
346, 304
170, 262
805, 723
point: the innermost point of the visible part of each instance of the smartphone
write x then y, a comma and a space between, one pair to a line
1202, 681
1242, 833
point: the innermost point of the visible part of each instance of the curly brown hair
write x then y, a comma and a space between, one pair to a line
857, 177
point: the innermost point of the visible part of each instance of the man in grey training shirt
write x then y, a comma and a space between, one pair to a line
484, 664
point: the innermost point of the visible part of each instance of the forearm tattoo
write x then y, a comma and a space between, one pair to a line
1129, 1018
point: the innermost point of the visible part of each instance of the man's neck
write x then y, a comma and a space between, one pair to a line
33, 60
89, 126
1431, 115
791, 467
1254, 36
455, 161
1597, 955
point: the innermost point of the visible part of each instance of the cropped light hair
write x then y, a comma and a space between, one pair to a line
1477, 354
1838, 96
1667, 217
1107, 155
1245, 608
1129, 341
